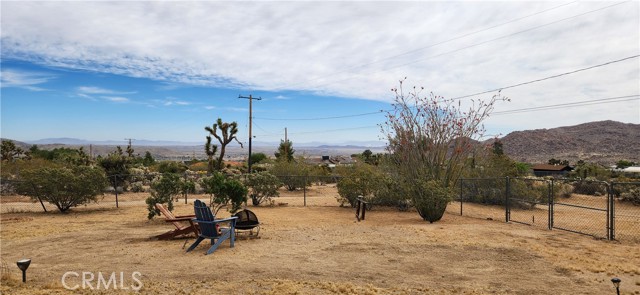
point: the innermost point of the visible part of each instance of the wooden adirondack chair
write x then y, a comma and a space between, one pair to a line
184, 224
209, 230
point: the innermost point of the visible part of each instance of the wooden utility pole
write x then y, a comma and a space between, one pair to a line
251, 98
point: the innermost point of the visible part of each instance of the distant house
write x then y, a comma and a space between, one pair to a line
550, 170
331, 161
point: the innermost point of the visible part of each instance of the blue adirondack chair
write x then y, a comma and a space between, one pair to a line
209, 229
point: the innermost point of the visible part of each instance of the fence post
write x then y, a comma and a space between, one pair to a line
507, 208
185, 188
611, 212
115, 183
461, 180
305, 190
551, 201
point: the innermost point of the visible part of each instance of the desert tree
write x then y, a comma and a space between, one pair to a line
9, 150
64, 187
210, 150
228, 134
116, 165
429, 140
285, 151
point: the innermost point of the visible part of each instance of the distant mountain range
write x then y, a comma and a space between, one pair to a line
604, 142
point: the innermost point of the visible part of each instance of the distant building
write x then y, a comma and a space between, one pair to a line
331, 161
550, 170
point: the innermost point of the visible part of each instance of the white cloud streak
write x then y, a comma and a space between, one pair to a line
320, 47
24, 79
118, 99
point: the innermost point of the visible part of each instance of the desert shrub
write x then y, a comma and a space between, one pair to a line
589, 187
234, 193
525, 193
294, 175
632, 196
224, 191
490, 191
63, 187
430, 198
172, 167
359, 180
387, 194
162, 192
115, 166
264, 187
187, 187
429, 140
137, 187
198, 166
563, 190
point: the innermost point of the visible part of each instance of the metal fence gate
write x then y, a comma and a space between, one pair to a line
529, 201
594, 208
585, 211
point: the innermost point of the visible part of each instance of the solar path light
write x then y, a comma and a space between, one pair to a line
23, 264
616, 282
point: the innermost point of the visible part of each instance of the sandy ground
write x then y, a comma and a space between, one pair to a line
318, 249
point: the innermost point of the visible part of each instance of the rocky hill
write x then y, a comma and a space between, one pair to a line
604, 142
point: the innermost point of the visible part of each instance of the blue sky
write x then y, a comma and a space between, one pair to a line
164, 70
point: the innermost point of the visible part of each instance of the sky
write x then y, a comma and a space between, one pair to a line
165, 70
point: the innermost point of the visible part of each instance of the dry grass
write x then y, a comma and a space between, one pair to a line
319, 249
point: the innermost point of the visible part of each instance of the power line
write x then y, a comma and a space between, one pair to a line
460, 97
571, 104
550, 77
523, 110
481, 43
335, 130
435, 44
321, 118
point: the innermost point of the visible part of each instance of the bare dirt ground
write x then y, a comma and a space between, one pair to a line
318, 249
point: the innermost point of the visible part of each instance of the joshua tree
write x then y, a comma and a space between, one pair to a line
229, 131
210, 150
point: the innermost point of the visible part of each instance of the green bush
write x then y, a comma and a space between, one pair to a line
359, 180
632, 196
172, 167
563, 190
224, 191
162, 192
264, 187
484, 191
589, 187
387, 194
429, 198
294, 175
63, 187
525, 193
137, 187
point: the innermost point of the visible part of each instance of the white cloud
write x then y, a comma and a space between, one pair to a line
237, 109
209, 107
98, 90
24, 79
118, 99
350, 49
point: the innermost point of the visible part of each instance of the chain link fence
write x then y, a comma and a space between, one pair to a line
625, 207
595, 208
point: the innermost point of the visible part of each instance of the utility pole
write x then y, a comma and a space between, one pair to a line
286, 147
129, 139
251, 98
